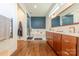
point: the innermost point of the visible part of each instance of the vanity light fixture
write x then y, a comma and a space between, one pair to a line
55, 8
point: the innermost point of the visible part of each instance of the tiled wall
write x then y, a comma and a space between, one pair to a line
69, 30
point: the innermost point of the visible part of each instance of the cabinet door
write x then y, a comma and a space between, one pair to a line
77, 46
54, 41
49, 39
59, 44
46, 35
69, 44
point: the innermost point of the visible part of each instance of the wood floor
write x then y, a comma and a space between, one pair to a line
33, 48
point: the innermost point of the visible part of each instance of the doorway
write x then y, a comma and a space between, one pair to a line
29, 37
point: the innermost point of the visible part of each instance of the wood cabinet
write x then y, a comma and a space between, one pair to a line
57, 43
63, 45
77, 46
69, 45
50, 38
54, 40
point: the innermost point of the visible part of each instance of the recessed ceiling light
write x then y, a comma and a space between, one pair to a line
35, 6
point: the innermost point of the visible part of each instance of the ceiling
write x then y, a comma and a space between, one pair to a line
38, 9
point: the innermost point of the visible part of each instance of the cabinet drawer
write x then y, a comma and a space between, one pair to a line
69, 46
68, 39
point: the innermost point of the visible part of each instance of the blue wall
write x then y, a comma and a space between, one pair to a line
38, 22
